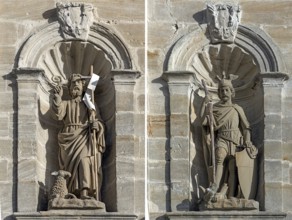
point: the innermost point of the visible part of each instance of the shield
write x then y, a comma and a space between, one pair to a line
247, 177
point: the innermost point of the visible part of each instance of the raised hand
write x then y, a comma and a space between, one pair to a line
58, 90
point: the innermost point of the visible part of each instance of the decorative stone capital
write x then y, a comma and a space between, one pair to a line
178, 77
75, 19
274, 79
223, 20
125, 76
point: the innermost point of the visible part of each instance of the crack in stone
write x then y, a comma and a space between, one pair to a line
175, 25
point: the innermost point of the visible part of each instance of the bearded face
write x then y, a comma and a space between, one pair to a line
76, 88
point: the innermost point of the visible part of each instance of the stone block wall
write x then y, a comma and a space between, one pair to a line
18, 159
168, 21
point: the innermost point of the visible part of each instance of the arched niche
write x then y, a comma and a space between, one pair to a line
46, 56
258, 65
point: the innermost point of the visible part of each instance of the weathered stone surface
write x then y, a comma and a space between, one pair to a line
125, 123
92, 204
272, 101
180, 197
133, 33
140, 53
3, 170
179, 148
287, 151
140, 192
140, 125
209, 215
158, 149
27, 191
125, 101
121, 10
180, 170
125, 193
25, 10
126, 166
4, 132
179, 125
270, 167
179, 103
158, 126
8, 37
159, 196
274, 196
155, 60
231, 204
287, 194
273, 150
273, 127
7, 54
157, 171
161, 35
257, 13
126, 145
73, 214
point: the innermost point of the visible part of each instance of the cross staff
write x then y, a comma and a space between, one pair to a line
89, 101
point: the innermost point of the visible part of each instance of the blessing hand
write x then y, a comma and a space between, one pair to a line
58, 90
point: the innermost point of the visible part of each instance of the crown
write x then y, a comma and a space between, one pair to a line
226, 81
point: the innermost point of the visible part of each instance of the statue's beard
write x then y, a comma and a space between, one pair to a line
76, 91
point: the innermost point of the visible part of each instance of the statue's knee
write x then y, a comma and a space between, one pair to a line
220, 155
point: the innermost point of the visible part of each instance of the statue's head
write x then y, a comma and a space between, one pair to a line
225, 90
76, 85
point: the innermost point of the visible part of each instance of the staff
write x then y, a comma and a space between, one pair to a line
89, 101
93, 113
210, 120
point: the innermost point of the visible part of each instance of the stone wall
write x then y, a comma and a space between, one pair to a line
19, 159
169, 21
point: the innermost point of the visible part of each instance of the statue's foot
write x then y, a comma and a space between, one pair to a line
70, 196
83, 197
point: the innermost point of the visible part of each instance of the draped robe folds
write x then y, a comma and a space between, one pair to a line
76, 153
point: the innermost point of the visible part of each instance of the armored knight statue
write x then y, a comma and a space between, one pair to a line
229, 152
81, 140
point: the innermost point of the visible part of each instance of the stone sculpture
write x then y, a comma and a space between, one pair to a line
223, 20
59, 189
75, 19
229, 152
81, 141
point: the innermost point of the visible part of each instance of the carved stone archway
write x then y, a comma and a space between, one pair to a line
193, 58
47, 55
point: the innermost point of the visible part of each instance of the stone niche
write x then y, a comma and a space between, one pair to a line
52, 53
261, 73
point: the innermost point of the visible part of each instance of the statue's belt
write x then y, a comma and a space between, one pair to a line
76, 124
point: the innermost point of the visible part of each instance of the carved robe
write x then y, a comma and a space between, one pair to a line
76, 153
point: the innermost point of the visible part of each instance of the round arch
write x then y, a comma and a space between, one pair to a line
253, 40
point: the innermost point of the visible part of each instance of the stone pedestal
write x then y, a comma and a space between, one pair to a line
225, 215
73, 215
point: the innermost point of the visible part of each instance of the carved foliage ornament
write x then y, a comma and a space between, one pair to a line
223, 20
75, 19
